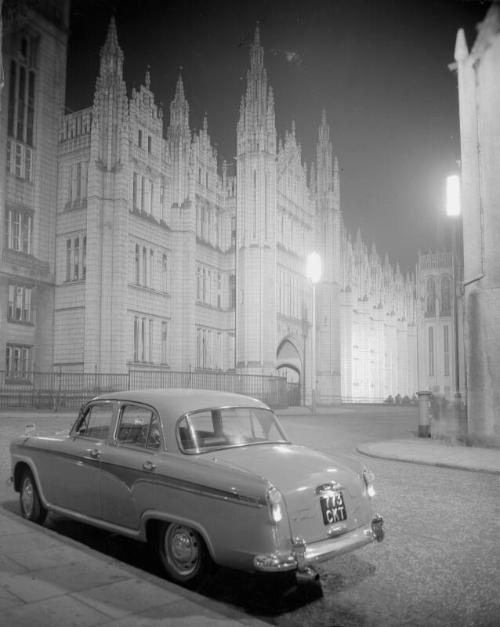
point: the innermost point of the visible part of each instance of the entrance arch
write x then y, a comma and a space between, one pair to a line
289, 358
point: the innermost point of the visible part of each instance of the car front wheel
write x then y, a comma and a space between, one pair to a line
29, 498
183, 554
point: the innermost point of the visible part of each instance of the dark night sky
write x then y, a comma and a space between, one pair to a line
378, 67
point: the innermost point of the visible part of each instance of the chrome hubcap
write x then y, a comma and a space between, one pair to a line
182, 548
27, 497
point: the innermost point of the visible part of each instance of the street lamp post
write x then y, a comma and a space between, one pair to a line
313, 273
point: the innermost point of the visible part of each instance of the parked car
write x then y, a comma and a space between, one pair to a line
207, 477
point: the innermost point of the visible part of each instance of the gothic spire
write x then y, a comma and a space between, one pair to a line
110, 110
324, 129
257, 126
179, 90
179, 107
324, 158
257, 52
111, 63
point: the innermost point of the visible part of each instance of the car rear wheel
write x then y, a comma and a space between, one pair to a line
183, 554
29, 498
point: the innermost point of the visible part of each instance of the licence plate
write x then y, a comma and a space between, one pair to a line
333, 508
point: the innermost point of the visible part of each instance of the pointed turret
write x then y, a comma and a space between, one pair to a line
324, 158
257, 52
461, 51
110, 111
111, 63
257, 125
179, 108
179, 143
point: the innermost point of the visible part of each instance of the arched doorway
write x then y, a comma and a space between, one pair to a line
289, 362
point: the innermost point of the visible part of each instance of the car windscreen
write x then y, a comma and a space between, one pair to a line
212, 429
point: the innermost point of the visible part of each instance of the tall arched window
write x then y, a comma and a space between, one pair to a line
431, 297
445, 295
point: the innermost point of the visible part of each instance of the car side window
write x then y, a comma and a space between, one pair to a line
96, 421
154, 437
139, 426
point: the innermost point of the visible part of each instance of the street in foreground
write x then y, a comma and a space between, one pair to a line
437, 566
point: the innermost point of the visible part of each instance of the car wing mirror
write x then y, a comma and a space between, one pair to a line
29, 430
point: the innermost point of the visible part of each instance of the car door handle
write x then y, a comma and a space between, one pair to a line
149, 465
94, 453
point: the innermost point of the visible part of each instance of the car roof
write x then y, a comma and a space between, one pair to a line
178, 401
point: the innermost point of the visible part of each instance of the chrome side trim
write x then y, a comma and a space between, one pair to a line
161, 480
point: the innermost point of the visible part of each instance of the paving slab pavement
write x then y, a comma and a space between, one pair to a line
435, 453
47, 579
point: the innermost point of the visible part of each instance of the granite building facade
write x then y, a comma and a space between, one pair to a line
129, 245
478, 72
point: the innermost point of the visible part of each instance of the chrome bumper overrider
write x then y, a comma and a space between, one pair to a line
303, 556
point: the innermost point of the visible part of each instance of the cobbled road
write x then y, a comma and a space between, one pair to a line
439, 564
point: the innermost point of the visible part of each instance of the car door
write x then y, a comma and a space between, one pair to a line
74, 481
129, 465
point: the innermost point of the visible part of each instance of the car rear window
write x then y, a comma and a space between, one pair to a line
228, 427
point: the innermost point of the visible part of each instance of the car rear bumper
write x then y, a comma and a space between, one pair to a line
304, 556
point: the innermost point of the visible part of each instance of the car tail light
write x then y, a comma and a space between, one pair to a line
274, 499
368, 479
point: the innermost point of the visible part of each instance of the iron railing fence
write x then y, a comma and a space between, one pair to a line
53, 390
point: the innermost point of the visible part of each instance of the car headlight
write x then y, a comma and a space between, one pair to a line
368, 479
274, 499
